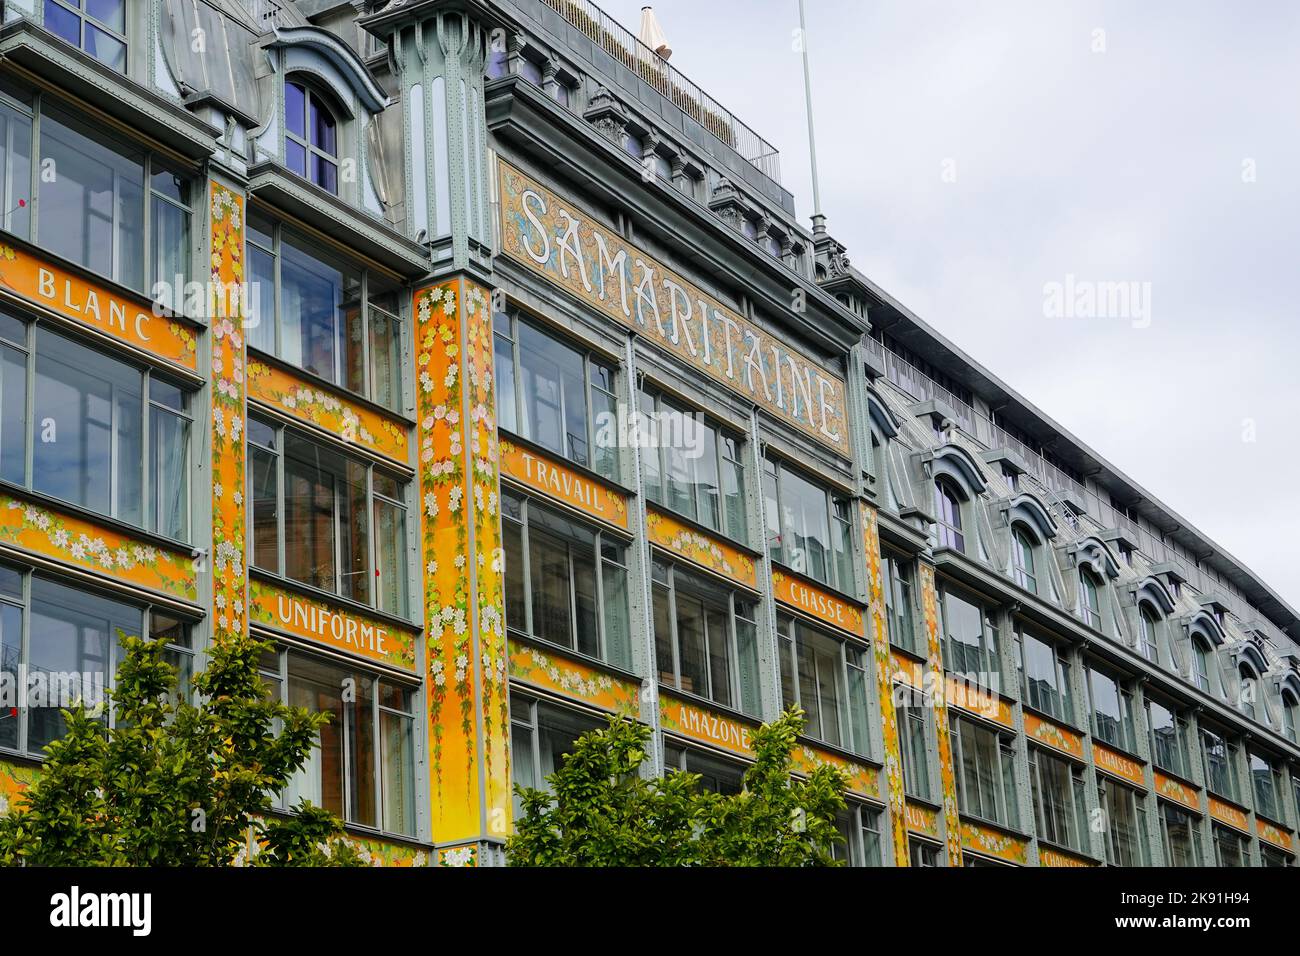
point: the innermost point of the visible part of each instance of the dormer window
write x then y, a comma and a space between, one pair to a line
1147, 624
1201, 663
1249, 691
96, 26
947, 508
1089, 599
1022, 559
311, 136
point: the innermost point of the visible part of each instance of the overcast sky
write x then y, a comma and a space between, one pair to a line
1124, 165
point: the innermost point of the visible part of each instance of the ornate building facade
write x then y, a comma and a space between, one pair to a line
476, 357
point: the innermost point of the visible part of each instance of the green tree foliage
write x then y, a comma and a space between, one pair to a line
173, 783
602, 811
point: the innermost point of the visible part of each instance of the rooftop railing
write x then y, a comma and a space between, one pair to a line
624, 46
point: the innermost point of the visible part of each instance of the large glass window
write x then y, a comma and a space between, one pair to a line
99, 28
556, 395
1220, 756
860, 827
1168, 738
1180, 835
103, 434
693, 468
1201, 664
316, 310
1231, 849
311, 136
1124, 819
915, 750
826, 676
326, 519
1060, 812
362, 767
1112, 709
947, 509
566, 581
705, 638
1045, 675
1273, 857
986, 778
1266, 780
809, 528
716, 775
541, 734
896, 576
103, 203
72, 649
970, 638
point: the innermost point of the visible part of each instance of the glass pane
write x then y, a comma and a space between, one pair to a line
16, 161
325, 518
386, 359
264, 490
618, 631
549, 563
324, 173
747, 654
295, 109
554, 400
169, 472
319, 687
390, 557
397, 754
585, 600
512, 545
107, 49
733, 495
170, 240
663, 625
505, 378
314, 292
260, 321
322, 127
62, 22
805, 520
11, 642
361, 747
716, 619
13, 415
111, 13
691, 645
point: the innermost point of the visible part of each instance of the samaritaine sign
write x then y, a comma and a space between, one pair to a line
571, 248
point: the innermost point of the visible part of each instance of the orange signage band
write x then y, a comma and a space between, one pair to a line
689, 720
817, 603
542, 474
1053, 735
1118, 765
331, 626
129, 319
1274, 834
1055, 858
1227, 813
921, 820
1181, 793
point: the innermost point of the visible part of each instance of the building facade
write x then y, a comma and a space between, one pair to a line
477, 358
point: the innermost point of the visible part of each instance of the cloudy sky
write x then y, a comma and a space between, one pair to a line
1169, 157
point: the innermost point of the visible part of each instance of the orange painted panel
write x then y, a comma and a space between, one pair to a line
328, 410
705, 550
1178, 792
1227, 813
1118, 765
1053, 735
551, 670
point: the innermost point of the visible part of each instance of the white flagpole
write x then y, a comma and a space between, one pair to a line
818, 220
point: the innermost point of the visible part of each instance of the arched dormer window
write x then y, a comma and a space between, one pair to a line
311, 135
1090, 598
1290, 714
1148, 623
1201, 655
947, 510
1022, 559
1249, 690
